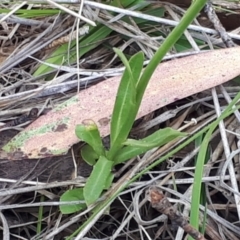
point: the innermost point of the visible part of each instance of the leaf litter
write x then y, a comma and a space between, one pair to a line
53, 132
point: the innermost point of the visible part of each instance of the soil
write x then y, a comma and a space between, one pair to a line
50, 169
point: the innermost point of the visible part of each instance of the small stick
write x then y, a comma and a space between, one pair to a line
161, 204
33, 114
212, 16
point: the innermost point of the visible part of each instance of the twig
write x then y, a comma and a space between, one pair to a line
152, 18
162, 204
12, 11
71, 12
212, 16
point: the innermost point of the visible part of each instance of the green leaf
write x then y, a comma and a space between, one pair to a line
125, 111
136, 147
161, 136
97, 180
72, 195
40, 216
88, 132
33, 13
57, 57
124, 61
197, 183
136, 63
109, 181
125, 3
88, 42
89, 155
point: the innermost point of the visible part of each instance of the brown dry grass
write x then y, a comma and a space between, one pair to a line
23, 189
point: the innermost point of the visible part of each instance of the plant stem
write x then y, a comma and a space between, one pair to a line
172, 38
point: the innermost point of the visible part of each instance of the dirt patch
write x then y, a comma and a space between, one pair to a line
50, 169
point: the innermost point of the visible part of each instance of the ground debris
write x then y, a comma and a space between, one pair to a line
162, 204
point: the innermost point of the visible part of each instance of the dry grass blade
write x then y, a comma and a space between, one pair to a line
26, 43
71, 12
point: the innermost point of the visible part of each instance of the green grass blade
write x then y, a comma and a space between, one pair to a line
196, 194
87, 43
125, 3
203, 199
40, 216
33, 13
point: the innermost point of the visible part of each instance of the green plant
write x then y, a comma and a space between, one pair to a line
132, 86
126, 106
40, 216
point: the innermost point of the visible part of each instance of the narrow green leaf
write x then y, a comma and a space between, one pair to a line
201, 186
72, 195
136, 147
57, 57
197, 183
33, 13
205, 220
97, 181
88, 42
136, 62
160, 136
89, 155
124, 61
124, 111
125, 3
40, 215
88, 132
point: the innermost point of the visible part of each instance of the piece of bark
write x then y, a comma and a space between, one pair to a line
54, 133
